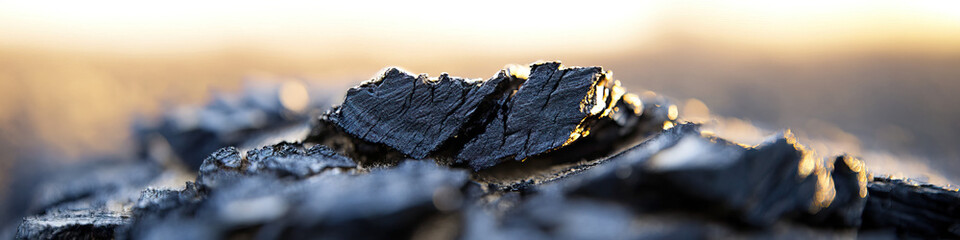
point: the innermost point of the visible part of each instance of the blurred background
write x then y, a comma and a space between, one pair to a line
877, 79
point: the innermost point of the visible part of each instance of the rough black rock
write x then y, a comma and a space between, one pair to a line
64, 224
913, 209
684, 169
281, 160
482, 123
552, 108
380, 204
415, 115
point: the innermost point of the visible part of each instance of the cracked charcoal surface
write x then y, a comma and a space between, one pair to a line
916, 210
501, 118
414, 114
753, 185
71, 225
407, 157
281, 160
544, 114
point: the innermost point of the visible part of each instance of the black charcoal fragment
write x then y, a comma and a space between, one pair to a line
280, 160
757, 186
482, 123
414, 114
915, 210
79, 224
552, 108
383, 203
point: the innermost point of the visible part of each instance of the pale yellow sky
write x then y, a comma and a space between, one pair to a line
503, 27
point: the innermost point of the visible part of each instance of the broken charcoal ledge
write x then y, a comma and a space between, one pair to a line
538, 152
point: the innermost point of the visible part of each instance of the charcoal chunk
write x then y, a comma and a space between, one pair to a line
155, 201
552, 108
280, 160
913, 209
314, 160
414, 115
482, 123
753, 185
71, 225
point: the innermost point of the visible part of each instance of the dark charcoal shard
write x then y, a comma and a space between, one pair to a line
414, 115
481, 123
281, 160
552, 108
757, 186
913, 209
313, 161
162, 200
80, 224
608, 136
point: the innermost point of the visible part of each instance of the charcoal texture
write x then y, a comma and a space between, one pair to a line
409, 157
913, 209
756, 186
546, 112
414, 114
505, 117
71, 225
281, 160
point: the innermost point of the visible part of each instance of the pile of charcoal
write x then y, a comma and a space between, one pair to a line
538, 152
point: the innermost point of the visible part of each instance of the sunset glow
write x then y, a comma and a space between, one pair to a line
443, 27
